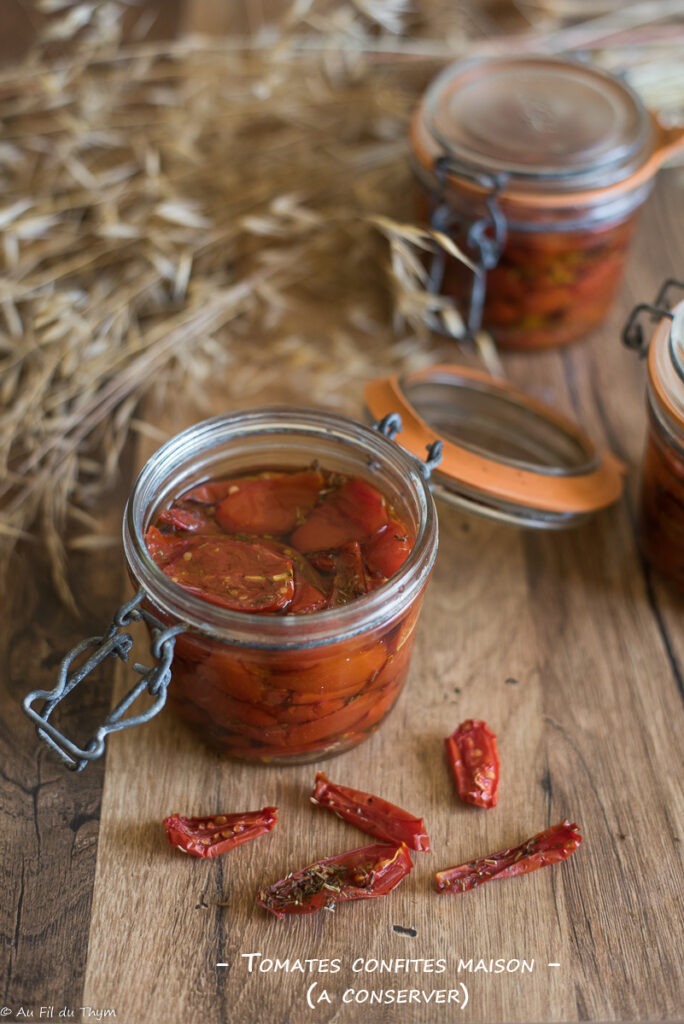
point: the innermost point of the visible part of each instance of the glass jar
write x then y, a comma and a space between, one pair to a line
661, 501
536, 168
267, 687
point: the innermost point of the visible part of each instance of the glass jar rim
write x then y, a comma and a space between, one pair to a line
666, 365
316, 628
548, 123
481, 170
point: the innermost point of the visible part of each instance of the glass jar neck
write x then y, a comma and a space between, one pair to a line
269, 438
666, 371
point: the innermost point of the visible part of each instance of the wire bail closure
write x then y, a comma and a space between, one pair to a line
486, 235
390, 425
633, 332
114, 643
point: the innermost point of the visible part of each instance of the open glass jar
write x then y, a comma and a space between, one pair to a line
536, 168
661, 496
268, 687
296, 687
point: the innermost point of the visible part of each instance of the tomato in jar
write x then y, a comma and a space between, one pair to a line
662, 504
548, 287
661, 497
285, 543
536, 168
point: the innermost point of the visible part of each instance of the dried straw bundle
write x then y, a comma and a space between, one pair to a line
166, 208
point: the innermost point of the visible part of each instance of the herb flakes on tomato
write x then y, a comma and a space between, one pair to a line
235, 574
361, 874
353, 511
548, 847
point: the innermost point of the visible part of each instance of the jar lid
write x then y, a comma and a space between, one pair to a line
543, 123
666, 363
506, 455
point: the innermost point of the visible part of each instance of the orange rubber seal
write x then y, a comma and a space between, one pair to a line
579, 490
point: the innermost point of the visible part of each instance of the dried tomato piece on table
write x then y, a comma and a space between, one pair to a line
362, 874
371, 813
215, 834
474, 761
548, 847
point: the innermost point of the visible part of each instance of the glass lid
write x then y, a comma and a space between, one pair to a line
538, 120
505, 455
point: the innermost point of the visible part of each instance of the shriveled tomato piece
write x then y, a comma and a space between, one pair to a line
311, 591
323, 561
189, 520
208, 494
354, 511
387, 550
307, 597
361, 874
215, 834
235, 574
271, 503
371, 813
350, 577
164, 547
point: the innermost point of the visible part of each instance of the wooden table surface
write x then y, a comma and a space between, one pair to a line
563, 642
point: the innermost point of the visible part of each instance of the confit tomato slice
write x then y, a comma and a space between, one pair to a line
307, 597
352, 512
387, 550
208, 494
350, 576
311, 592
188, 520
273, 503
236, 574
164, 547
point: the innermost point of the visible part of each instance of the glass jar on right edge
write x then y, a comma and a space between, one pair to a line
661, 518
536, 168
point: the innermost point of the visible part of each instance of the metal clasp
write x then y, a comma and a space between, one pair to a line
114, 643
390, 425
486, 236
633, 332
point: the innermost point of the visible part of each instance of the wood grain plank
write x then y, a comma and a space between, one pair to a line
551, 637
49, 823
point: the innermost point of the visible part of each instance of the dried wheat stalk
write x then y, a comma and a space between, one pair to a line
164, 206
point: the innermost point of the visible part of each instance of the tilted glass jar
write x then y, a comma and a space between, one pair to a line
537, 168
661, 500
268, 687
